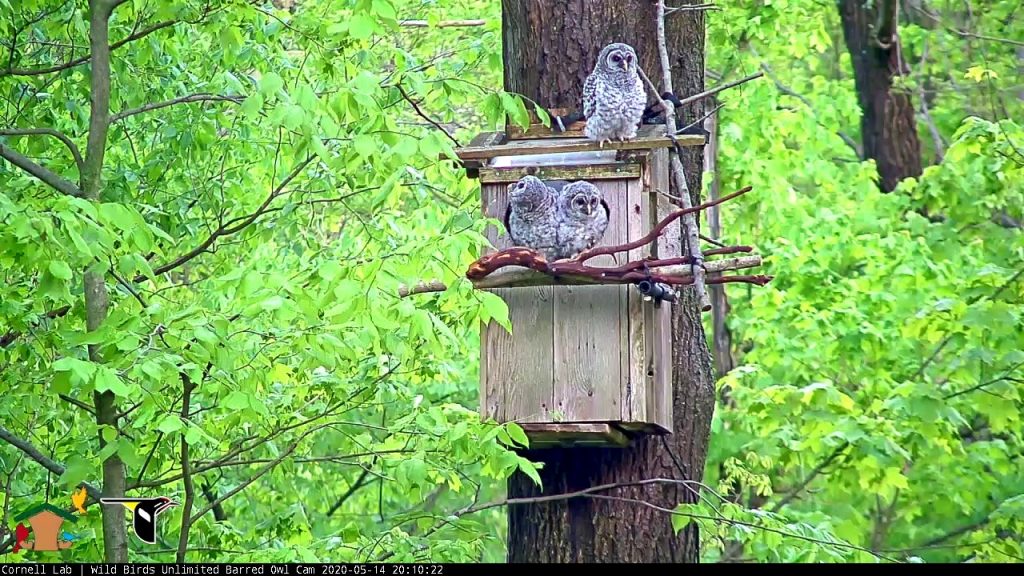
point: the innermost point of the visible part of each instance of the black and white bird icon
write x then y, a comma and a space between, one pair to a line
144, 512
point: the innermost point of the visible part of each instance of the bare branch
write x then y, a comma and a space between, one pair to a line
186, 470
691, 8
227, 228
717, 89
58, 183
421, 288
442, 23
423, 115
182, 100
83, 59
670, 274
48, 132
40, 458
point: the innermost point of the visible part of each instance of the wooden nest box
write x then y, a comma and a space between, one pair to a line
584, 364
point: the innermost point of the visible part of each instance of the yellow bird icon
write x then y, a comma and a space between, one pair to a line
78, 499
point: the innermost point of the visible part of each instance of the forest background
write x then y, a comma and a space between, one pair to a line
203, 302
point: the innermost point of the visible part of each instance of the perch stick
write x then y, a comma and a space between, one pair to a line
677, 273
421, 287
657, 230
689, 221
521, 256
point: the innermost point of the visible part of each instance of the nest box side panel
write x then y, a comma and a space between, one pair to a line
638, 345
668, 246
516, 370
589, 324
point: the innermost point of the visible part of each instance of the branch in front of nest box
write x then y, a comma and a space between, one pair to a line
630, 272
535, 271
657, 230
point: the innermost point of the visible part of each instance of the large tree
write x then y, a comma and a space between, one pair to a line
888, 125
549, 48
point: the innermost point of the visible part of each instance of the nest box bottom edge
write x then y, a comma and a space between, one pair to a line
587, 434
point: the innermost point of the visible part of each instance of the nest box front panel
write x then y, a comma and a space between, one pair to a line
576, 353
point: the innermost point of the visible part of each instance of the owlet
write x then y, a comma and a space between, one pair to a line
613, 95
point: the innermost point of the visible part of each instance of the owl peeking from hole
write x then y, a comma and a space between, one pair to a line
557, 221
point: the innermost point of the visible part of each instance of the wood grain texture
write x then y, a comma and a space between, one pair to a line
584, 172
635, 385
660, 367
648, 137
517, 368
588, 321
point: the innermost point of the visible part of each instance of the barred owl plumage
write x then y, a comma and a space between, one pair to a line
613, 95
583, 218
531, 217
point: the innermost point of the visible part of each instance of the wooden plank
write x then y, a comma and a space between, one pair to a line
587, 322
583, 172
574, 434
659, 407
517, 368
648, 137
538, 130
634, 402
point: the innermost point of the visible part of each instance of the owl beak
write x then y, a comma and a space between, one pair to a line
625, 66
589, 209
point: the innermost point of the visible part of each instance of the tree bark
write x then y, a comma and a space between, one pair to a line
115, 536
550, 48
888, 125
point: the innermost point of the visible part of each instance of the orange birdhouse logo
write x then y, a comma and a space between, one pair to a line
44, 532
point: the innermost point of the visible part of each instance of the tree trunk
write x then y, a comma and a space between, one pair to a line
549, 48
888, 126
115, 535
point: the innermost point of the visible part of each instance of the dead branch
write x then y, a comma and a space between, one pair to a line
658, 229
442, 23
676, 271
689, 221
421, 288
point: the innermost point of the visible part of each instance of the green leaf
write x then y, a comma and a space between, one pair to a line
170, 423
60, 269
81, 371
271, 84
106, 380
517, 434
530, 469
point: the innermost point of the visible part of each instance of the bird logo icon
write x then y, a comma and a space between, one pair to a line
78, 499
144, 512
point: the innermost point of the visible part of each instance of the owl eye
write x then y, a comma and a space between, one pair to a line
629, 58
520, 185
616, 57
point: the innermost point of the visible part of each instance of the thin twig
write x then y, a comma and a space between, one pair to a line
42, 459
423, 115
442, 23
182, 100
692, 8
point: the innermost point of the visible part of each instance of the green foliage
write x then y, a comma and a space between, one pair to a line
878, 390
253, 239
